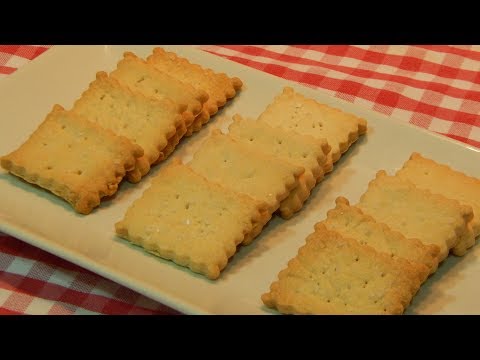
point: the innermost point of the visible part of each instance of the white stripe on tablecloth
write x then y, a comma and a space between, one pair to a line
17, 61
20, 266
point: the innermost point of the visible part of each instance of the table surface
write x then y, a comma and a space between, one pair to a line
433, 87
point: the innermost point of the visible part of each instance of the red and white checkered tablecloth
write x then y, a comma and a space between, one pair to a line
434, 87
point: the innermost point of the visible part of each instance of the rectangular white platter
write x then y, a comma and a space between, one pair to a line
41, 219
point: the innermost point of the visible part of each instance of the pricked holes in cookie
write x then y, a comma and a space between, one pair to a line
382, 275
357, 258
79, 172
63, 127
102, 97
279, 142
365, 283
177, 196
187, 206
426, 172
304, 155
251, 139
141, 79
49, 167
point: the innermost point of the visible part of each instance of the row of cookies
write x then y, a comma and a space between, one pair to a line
124, 123
270, 164
374, 256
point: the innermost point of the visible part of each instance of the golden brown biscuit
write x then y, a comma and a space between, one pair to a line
74, 159
295, 112
441, 179
332, 274
184, 218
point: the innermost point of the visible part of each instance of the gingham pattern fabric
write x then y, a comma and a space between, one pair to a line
433, 87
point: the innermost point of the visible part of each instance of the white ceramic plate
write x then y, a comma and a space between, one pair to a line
43, 220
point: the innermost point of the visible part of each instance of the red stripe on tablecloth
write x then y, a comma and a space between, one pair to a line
463, 139
7, 70
356, 89
4, 311
257, 51
26, 51
10, 49
403, 62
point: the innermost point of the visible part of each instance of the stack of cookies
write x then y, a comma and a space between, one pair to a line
124, 123
269, 165
372, 258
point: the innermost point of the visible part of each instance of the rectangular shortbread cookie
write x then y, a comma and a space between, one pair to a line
219, 87
416, 213
441, 179
332, 274
301, 150
185, 218
222, 160
351, 222
294, 111
147, 122
74, 159
139, 75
